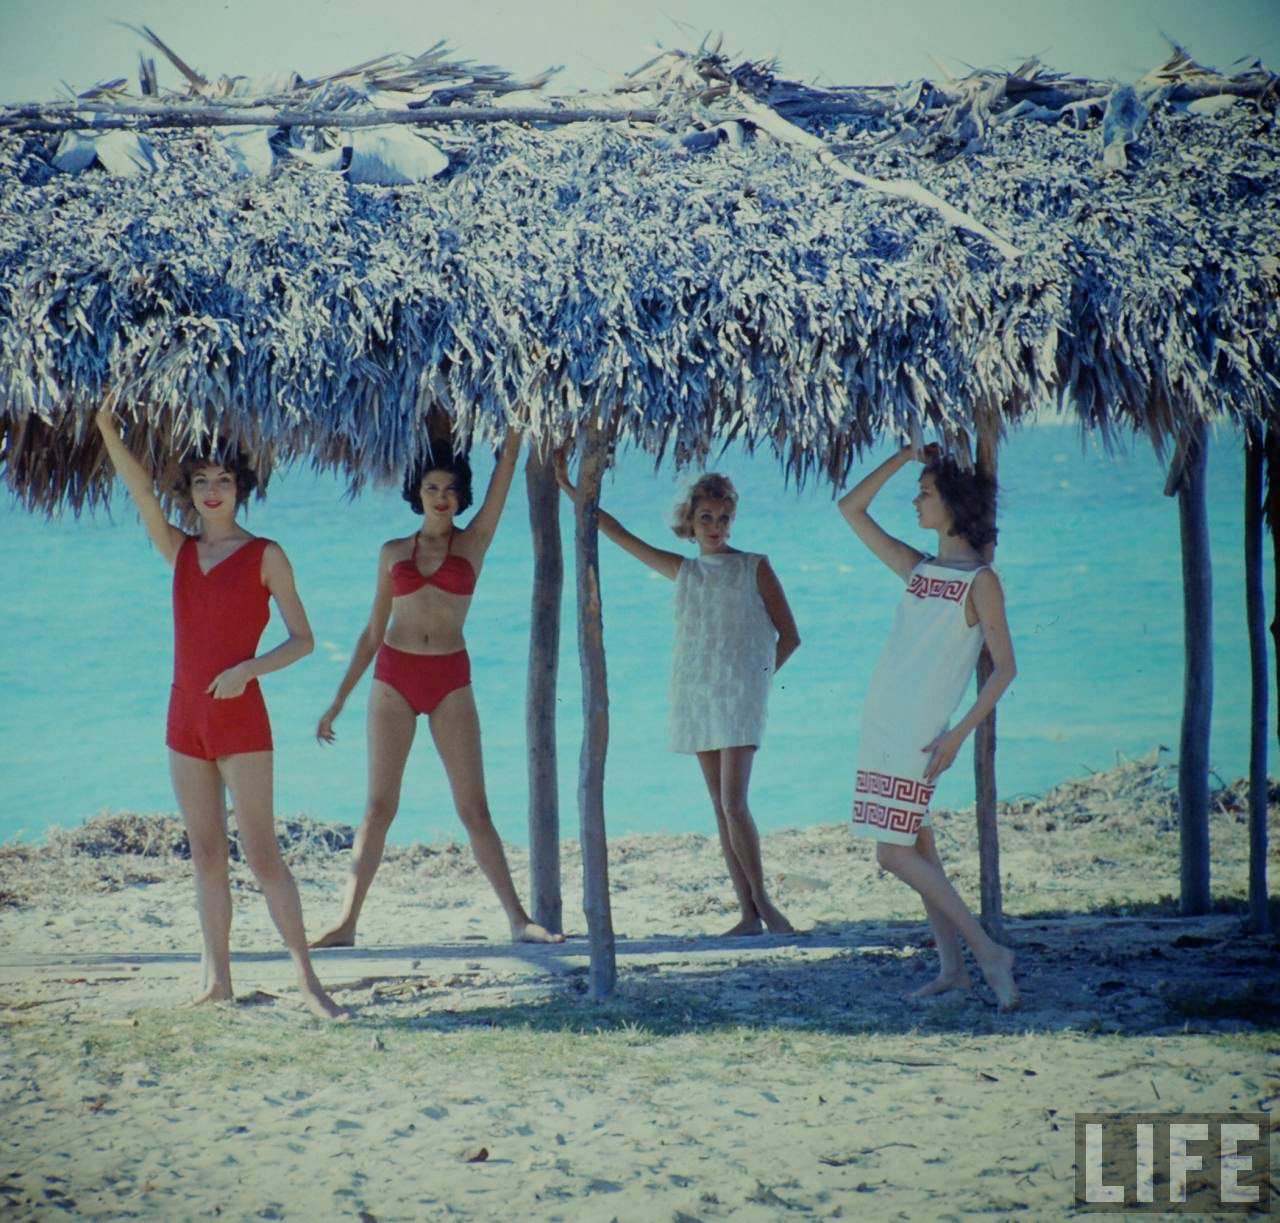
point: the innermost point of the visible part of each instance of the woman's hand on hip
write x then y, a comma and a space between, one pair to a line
231, 683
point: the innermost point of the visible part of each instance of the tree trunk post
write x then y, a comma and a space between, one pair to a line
984, 749
540, 692
1256, 611
1187, 480
1273, 524
595, 715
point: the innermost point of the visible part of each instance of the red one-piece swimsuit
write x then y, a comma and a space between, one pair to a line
218, 618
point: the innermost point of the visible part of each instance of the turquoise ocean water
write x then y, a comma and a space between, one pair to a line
1088, 553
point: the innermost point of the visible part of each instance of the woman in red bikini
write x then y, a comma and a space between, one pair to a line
218, 733
425, 583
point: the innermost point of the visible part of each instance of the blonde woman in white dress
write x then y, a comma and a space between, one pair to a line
952, 604
734, 630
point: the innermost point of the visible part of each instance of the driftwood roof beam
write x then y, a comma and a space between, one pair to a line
143, 118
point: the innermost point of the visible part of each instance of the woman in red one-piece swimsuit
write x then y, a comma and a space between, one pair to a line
425, 582
218, 734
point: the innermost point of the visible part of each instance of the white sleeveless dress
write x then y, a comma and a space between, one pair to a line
927, 664
722, 662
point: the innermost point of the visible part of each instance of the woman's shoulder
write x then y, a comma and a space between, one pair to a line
397, 548
273, 564
987, 578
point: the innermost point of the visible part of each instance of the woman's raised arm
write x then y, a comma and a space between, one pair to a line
484, 524
166, 537
901, 557
666, 563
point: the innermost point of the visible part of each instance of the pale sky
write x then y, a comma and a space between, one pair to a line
46, 42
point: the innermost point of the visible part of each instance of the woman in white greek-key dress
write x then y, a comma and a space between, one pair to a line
734, 630
952, 605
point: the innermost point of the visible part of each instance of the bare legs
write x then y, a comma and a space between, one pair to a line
198, 785
952, 973
390, 729
920, 866
727, 773
455, 727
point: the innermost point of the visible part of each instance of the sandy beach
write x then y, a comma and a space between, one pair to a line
758, 1078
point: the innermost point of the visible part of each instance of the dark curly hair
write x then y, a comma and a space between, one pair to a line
442, 458
229, 459
970, 496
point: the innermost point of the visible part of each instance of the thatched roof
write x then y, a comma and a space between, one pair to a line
694, 272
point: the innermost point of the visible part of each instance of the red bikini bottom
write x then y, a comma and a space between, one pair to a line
424, 680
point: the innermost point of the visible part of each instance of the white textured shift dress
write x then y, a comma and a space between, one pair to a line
722, 662
926, 666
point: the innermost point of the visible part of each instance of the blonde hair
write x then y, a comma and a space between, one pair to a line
711, 487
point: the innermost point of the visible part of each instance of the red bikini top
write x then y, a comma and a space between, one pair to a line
454, 575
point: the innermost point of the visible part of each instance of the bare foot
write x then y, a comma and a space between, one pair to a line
775, 921
214, 993
998, 974
321, 1005
747, 926
339, 936
531, 932
942, 983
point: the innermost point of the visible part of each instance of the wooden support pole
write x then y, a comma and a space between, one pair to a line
984, 752
540, 692
595, 716
1273, 524
1187, 480
1256, 612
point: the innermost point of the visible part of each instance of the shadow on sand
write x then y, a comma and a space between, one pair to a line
1128, 975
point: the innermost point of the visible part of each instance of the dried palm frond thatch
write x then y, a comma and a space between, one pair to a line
692, 263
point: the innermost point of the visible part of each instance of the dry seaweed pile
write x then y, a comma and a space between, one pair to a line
719, 269
117, 850
165, 836
1143, 791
